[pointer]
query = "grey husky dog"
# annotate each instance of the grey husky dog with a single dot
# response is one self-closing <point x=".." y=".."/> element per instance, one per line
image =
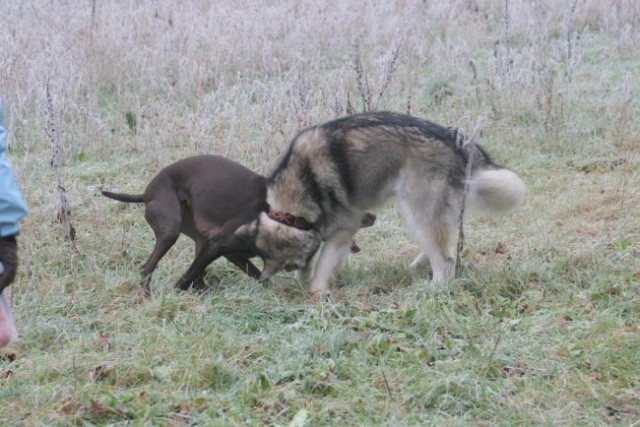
<point x="332" y="174"/>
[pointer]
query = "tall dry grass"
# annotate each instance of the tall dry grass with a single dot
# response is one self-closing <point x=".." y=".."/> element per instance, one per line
<point x="223" y="75"/>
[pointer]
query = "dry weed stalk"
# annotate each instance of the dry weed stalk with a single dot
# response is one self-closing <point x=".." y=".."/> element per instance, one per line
<point x="474" y="81"/>
<point x="568" y="36"/>
<point x="505" y="59"/>
<point x="470" y="144"/>
<point x="386" y="382"/>
<point x="628" y="142"/>
<point x="626" y="26"/>
<point x="412" y="83"/>
<point x="371" y="99"/>
<point x="301" y="99"/>
<point x="547" y="97"/>
<point x="52" y="131"/>
<point x="409" y="98"/>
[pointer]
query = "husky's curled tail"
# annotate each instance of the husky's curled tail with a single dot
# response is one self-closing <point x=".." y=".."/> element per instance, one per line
<point x="491" y="189"/>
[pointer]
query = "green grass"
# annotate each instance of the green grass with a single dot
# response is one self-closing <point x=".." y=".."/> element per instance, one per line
<point x="541" y="328"/>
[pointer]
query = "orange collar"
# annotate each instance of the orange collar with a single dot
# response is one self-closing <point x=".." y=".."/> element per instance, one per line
<point x="290" y="220"/>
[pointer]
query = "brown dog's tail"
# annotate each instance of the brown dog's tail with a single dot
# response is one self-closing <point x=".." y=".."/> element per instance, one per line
<point x="127" y="198"/>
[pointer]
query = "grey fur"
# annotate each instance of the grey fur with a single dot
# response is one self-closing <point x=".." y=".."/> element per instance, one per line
<point x="334" y="173"/>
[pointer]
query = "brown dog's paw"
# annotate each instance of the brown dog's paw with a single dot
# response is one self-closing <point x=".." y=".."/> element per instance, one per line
<point x="142" y="295"/>
<point x="201" y="287"/>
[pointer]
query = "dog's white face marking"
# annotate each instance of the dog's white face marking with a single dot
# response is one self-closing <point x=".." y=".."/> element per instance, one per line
<point x="282" y="247"/>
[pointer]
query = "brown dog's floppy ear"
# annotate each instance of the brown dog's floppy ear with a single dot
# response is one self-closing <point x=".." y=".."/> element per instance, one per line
<point x="247" y="231"/>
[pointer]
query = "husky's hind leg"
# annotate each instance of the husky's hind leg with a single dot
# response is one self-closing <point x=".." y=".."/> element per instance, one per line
<point x="437" y="240"/>
<point x="441" y="238"/>
<point x="436" y="237"/>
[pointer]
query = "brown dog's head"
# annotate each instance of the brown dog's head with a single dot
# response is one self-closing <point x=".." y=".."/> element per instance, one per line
<point x="280" y="246"/>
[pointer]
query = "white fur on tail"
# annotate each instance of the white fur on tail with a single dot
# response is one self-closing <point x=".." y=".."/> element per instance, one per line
<point x="493" y="191"/>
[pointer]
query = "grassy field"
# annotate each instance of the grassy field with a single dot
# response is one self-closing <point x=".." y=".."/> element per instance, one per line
<point x="542" y="326"/>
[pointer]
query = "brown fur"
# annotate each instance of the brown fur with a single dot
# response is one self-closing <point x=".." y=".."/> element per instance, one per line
<point x="207" y="198"/>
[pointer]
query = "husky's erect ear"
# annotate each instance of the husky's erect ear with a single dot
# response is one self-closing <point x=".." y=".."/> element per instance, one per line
<point x="247" y="231"/>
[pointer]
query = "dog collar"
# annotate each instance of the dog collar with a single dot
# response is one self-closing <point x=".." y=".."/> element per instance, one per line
<point x="290" y="220"/>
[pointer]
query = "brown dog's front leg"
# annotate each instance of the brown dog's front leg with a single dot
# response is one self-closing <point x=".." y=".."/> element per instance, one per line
<point x="193" y="276"/>
<point x="245" y="265"/>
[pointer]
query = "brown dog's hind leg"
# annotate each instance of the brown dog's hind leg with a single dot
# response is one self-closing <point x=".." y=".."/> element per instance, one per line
<point x="163" y="243"/>
<point x="164" y="217"/>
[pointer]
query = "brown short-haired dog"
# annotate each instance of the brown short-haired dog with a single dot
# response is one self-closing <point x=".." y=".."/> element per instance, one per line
<point x="206" y="197"/>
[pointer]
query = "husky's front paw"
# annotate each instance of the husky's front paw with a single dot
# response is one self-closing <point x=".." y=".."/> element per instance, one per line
<point x="318" y="295"/>
<point x="318" y="290"/>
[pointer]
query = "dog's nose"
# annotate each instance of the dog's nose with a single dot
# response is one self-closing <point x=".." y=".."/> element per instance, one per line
<point x="270" y="268"/>
<point x="264" y="277"/>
